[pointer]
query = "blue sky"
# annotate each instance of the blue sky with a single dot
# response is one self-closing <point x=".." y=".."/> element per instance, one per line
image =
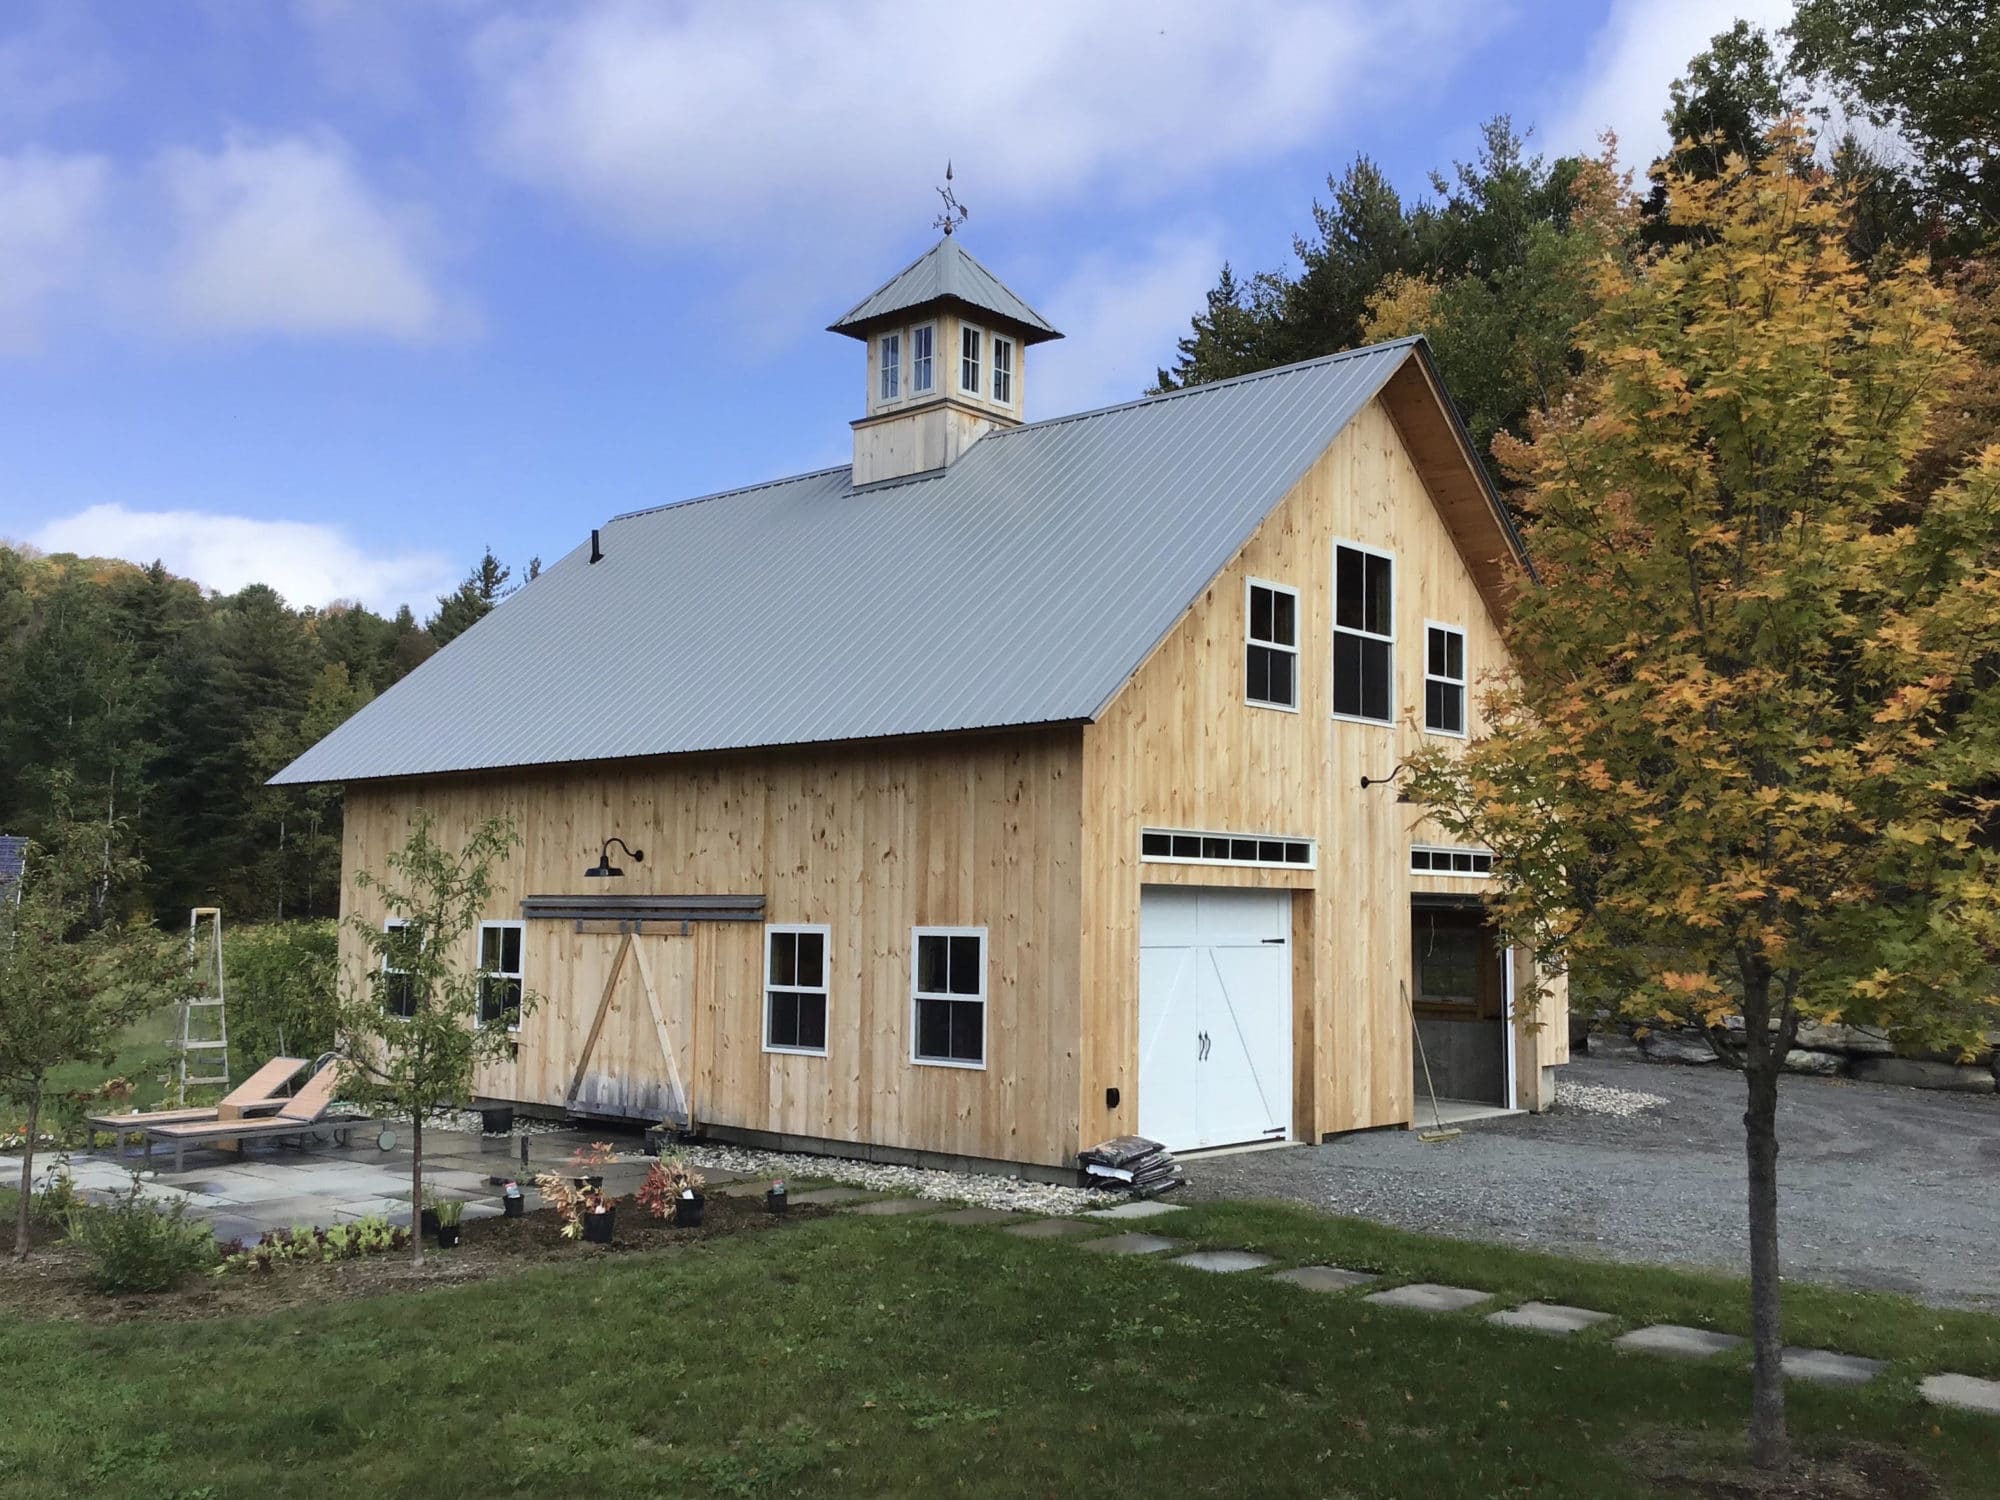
<point x="332" y="293"/>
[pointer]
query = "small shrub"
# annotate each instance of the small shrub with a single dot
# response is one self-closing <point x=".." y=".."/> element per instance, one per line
<point x="660" y="1194"/>
<point x="136" y="1247"/>
<point x="307" y="1245"/>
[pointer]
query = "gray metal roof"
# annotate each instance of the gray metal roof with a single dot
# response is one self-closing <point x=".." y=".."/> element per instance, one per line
<point x="945" y="272"/>
<point x="1021" y="585"/>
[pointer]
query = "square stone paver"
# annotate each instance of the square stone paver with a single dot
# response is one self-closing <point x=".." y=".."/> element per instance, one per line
<point x="1678" y="1342"/>
<point x="1145" y="1208"/>
<point x="1964" y="1392"/>
<point x="893" y="1206"/>
<point x="1223" y="1260"/>
<point x="1429" y="1296"/>
<point x="976" y="1216"/>
<point x="832" y="1195"/>
<point x="1134" y="1243"/>
<point x="1325" y="1278"/>
<point x="1548" y="1317"/>
<point x="1051" y="1229"/>
<point x="1828" y="1368"/>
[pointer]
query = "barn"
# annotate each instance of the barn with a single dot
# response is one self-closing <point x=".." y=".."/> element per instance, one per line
<point x="1015" y="786"/>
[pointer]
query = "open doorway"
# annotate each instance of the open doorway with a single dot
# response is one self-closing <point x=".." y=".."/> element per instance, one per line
<point x="1459" y="987"/>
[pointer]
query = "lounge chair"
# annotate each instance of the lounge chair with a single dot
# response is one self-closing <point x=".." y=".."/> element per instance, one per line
<point x="256" y="1095"/>
<point x="304" y="1114"/>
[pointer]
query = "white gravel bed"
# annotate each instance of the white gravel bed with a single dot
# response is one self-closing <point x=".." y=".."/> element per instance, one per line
<point x="1602" y="1099"/>
<point x="915" y="1182"/>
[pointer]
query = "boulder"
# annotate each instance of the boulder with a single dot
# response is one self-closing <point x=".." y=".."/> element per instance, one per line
<point x="1916" y="1073"/>
<point x="1664" y="1046"/>
<point x="1815" y="1036"/>
<point x="1799" y="1060"/>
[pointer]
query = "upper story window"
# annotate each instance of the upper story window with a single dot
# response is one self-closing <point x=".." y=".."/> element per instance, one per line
<point x="1003" y="370"/>
<point x="970" y="345"/>
<point x="922" y="342"/>
<point x="1364" y="634"/>
<point x="891" y="359"/>
<point x="399" y="990"/>
<point x="1444" y="679"/>
<point x="948" y="994"/>
<point x="500" y="974"/>
<point x="795" y="989"/>
<point x="1271" y="645"/>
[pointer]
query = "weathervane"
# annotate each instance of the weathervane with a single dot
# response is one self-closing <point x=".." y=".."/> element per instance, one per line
<point x="955" y="213"/>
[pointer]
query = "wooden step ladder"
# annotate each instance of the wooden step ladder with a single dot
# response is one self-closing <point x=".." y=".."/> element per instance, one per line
<point x="201" y="1040"/>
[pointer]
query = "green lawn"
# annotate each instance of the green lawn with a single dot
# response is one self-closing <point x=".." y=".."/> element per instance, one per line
<point x="897" y="1357"/>
<point x="145" y="1056"/>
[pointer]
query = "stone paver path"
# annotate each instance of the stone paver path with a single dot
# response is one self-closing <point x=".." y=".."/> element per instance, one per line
<point x="1224" y="1260"/>
<point x="1677" y="1342"/>
<point x="1429" y="1296"/>
<point x="976" y="1216"/>
<point x="1548" y="1317"/>
<point x="1824" y="1367"/>
<point x="832" y="1195"/>
<point x="1962" y="1392"/>
<point x="1325" y="1278"/>
<point x="1050" y="1229"/>
<point x="1144" y="1208"/>
<point x="893" y="1206"/>
<point x="1135" y="1243"/>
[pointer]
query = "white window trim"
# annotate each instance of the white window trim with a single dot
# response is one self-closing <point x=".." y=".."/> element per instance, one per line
<point x="1395" y="589"/>
<point x="393" y="924"/>
<point x="520" y="976"/>
<point x="824" y="990"/>
<point x="1463" y="684"/>
<point x="882" y="367"/>
<point x="1312" y="850"/>
<point x="963" y="389"/>
<point x="911" y="334"/>
<point x="1249" y="640"/>
<point x="985" y="1014"/>
<point x="993" y="340"/>
<point x="1486" y="874"/>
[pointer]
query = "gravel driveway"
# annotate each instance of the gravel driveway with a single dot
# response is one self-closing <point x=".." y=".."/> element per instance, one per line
<point x="1879" y="1187"/>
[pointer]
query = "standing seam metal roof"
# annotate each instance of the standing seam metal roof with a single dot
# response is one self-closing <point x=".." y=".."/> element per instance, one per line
<point x="945" y="272"/>
<point x="1021" y="585"/>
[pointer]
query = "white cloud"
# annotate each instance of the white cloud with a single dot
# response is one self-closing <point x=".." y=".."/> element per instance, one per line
<point x="56" y="60"/>
<point x="1643" y="46"/>
<point x="283" y="235"/>
<point x="48" y="205"/>
<point x="308" y="563"/>
<point x="1120" y="313"/>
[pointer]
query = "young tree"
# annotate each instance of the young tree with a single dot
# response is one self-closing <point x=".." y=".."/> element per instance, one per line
<point x="70" y="983"/>
<point x="472" y="601"/>
<point x="1742" y="776"/>
<point x="425" y="1019"/>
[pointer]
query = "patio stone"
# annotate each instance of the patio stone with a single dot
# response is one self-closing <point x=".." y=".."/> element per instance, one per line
<point x="1962" y="1392"/>
<point x="1223" y="1260"/>
<point x="1325" y="1278"/>
<point x="830" y="1195"/>
<point x="976" y="1216"/>
<point x="1144" y="1208"/>
<point x="894" y="1206"/>
<point x="1828" y="1368"/>
<point x="1548" y="1317"/>
<point x="1429" y="1296"/>
<point x="1677" y="1342"/>
<point x="1134" y="1243"/>
<point x="1050" y="1229"/>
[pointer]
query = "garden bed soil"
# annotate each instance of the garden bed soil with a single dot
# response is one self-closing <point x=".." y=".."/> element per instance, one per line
<point x="54" y="1281"/>
<point x="1700" y="1464"/>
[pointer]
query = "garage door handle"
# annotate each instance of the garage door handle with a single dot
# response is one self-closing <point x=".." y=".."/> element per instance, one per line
<point x="1201" y="1040"/>
<point x="1274" y="942"/>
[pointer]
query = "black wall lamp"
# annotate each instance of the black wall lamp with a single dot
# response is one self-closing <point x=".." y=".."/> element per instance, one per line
<point x="604" y="866"/>
<point x="1368" y="781"/>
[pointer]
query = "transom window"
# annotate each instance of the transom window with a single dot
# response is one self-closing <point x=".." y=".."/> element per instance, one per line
<point x="399" y="989"/>
<point x="1271" y="650"/>
<point x="795" y="989"/>
<point x="1003" y="370"/>
<point x="970" y="341"/>
<point x="1444" y="679"/>
<point x="922" y="340"/>
<point x="1434" y="859"/>
<point x="1364" y="634"/>
<point x="891" y="356"/>
<point x="500" y="974"/>
<point x="948" y="993"/>
<point x="1185" y="846"/>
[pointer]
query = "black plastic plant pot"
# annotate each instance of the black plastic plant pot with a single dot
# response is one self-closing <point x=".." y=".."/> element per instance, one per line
<point x="497" y="1121"/>
<point x="596" y="1182"/>
<point x="427" y="1221"/>
<point x="513" y="1206"/>
<point x="597" y="1227"/>
<point x="448" y="1235"/>
<point x="776" y="1202"/>
<point x="688" y="1211"/>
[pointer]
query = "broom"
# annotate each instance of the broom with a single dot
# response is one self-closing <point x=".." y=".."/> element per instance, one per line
<point x="1440" y="1130"/>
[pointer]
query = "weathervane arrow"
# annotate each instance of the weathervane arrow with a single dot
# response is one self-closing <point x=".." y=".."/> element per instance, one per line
<point x="955" y="213"/>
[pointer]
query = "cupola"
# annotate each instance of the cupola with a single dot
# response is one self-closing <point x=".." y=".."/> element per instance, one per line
<point x="946" y="345"/>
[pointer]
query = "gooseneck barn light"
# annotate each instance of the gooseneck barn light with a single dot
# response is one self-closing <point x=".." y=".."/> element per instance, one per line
<point x="604" y="867"/>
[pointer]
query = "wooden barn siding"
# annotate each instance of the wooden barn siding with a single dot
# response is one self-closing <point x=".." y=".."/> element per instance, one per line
<point x="1180" y="748"/>
<point x="871" y="841"/>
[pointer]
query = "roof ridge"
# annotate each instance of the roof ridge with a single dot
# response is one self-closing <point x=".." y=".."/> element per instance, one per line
<point x="741" y="489"/>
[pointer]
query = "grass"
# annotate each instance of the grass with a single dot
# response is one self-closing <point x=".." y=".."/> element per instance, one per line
<point x="894" y="1356"/>
<point x="145" y="1056"/>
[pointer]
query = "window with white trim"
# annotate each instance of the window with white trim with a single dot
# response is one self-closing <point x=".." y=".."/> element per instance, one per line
<point x="1436" y="859"/>
<point x="948" y="995"/>
<point x="795" y="988"/>
<point x="1444" y="679"/>
<point x="1003" y="370"/>
<point x="1187" y="847"/>
<point x="970" y="346"/>
<point x="1364" y="634"/>
<point x="500" y="974"/>
<point x="399" y="993"/>
<point x="890" y="356"/>
<point x="1271" y="645"/>
<point x="923" y="339"/>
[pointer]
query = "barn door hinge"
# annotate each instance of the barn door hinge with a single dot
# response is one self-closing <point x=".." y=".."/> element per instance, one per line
<point x="1273" y="942"/>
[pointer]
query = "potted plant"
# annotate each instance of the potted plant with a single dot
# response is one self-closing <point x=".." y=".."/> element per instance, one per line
<point x="427" y="1219"/>
<point x="672" y="1191"/>
<point x="597" y="1154"/>
<point x="600" y="1217"/>
<point x="512" y="1204"/>
<point x="586" y="1212"/>
<point x="450" y="1214"/>
<point x="775" y="1200"/>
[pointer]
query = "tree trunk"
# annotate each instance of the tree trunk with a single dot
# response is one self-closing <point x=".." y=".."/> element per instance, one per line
<point x="1769" y="1446"/>
<point x="416" y="1187"/>
<point x="26" y="1209"/>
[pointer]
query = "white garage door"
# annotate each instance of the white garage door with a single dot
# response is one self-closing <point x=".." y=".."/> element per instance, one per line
<point x="1215" y="1016"/>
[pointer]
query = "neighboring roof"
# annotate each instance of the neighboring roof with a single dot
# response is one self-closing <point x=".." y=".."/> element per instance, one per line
<point x="945" y="272"/>
<point x="1022" y="585"/>
<point x="13" y="859"/>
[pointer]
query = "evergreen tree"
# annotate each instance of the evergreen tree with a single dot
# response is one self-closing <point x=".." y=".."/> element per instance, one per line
<point x="460" y="610"/>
